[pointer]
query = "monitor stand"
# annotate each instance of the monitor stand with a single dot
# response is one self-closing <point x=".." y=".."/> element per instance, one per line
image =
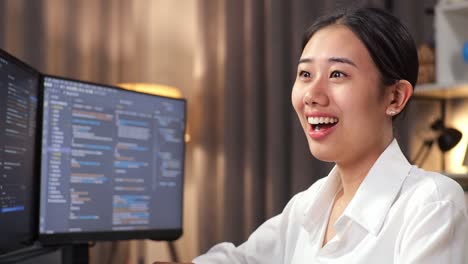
<point x="75" y="254"/>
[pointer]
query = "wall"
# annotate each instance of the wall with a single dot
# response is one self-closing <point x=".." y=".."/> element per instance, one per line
<point x="457" y="116"/>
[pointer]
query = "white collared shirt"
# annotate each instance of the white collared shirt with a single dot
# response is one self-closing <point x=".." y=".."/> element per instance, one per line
<point x="400" y="214"/>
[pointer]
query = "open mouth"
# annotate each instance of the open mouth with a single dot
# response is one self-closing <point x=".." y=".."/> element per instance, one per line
<point x="322" y="123"/>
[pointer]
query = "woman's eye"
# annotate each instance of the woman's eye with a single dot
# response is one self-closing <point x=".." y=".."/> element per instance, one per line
<point x="304" y="74"/>
<point x="337" y="74"/>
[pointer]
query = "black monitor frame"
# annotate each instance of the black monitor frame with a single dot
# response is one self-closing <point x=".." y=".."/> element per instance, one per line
<point x="34" y="203"/>
<point x="87" y="237"/>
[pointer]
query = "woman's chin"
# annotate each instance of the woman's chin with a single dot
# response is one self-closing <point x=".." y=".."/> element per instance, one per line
<point x="323" y="153"/>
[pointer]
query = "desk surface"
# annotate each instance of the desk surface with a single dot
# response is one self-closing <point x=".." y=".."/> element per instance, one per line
<point x="162" y="262"/>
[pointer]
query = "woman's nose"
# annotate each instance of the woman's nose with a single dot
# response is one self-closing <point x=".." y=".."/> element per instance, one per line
<point x="316" y="94"/>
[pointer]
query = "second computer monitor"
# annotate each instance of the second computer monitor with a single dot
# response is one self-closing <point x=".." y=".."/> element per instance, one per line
<point x="112" y="163"/>
<point x="19" y="100"/>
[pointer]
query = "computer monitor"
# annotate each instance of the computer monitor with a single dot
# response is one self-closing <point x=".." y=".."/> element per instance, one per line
<point x="112" y="163"/>
<point x="18" y="153"/>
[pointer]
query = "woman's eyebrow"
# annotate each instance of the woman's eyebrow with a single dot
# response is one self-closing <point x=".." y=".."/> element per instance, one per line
<point x="331" y="59"/>
<point x="305" y="60"/>
<point x="342" y="60"/>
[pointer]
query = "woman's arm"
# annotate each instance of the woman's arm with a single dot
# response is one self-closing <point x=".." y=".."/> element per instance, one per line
<point x="272" y="242"/>
<point x="263" y="246"/>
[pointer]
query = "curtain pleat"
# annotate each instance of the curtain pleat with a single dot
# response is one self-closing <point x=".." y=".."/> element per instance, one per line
<point x="2" y="23"/>
<point x="254" y="116"/>
<point x="234" y="109"/>
<point x="34" y="35"/>
<point x="14" y="41"/>
<point x="208" y="128"/>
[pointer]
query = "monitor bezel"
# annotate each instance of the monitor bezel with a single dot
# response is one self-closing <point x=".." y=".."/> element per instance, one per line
<point x="110" y="235"/>
<point x="35" y="183"/>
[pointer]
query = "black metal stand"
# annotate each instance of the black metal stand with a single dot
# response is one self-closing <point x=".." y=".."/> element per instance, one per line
<point x="75" y="254"/>
<point x="173" y="251"/>
<point x="424" y="150"/>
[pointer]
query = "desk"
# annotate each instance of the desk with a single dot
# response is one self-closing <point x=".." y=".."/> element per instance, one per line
<point x="158" y="262"/>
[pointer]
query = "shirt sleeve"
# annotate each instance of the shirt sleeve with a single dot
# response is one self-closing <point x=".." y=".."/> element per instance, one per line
<point x="265" y="245"/>
<point x="437" y="233"/>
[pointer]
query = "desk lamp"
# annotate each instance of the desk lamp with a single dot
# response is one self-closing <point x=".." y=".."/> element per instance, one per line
<point x="447" y="138"/>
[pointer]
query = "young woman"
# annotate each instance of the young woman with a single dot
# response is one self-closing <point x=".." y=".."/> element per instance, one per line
<point x="356" y="73"/>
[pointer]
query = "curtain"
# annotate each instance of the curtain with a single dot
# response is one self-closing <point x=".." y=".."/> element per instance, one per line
<point x="111" y="42"/>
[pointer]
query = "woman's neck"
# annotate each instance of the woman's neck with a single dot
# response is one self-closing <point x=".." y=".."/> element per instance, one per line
<point x="353" y="172"/>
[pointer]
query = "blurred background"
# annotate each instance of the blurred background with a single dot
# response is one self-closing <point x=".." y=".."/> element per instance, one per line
<point x="235" y="62"/>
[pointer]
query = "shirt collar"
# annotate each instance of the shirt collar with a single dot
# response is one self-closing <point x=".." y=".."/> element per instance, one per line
<point x="379" y="189"/>
<point x="321" y="201"/>
<point x="374" y="197"/>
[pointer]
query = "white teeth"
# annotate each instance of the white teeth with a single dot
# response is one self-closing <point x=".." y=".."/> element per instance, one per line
<point x="321" y="120"/>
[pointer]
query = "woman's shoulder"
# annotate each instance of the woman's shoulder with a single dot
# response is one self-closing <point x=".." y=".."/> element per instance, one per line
<point x="426" y="187"/>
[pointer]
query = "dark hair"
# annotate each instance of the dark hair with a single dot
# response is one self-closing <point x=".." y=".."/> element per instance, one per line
<point x="389" y="43"/>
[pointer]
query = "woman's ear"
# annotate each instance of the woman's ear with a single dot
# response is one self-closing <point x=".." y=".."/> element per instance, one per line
<point x="398" y="95"/>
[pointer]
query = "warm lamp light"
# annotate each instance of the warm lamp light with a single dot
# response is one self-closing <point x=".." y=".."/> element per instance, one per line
<point x="465" y="160"/>
<point x="156" y="89"/>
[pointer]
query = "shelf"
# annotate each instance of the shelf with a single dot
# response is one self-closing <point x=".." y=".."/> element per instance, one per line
<point x="456" y="7"/>
<point x="451" y="20"/>
<point x="451" y="32"/>
<point x="441" y="91"/>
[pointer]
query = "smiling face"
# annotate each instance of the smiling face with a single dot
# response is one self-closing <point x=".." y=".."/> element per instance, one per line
<point x="339" y="98"/>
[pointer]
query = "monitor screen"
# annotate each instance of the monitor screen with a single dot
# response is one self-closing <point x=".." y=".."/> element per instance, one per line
<point x="18" y="112"/>
<point x="112" y="163"/>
